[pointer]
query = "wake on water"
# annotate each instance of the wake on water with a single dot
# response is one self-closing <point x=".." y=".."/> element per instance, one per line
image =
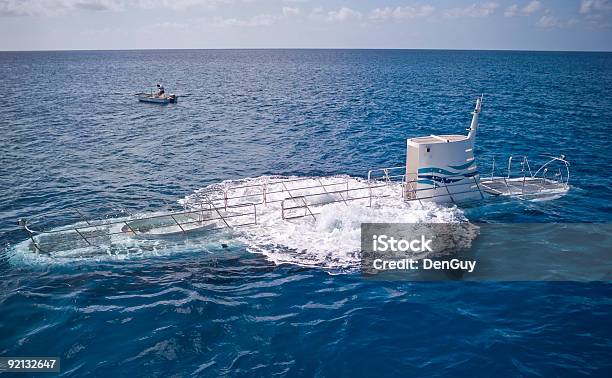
<point x="331" y="240"/>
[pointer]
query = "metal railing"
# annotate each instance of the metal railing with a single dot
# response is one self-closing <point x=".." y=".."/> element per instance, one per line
<point x="266" y="191"/>
<point x="297" y="203"/>
<point x="168" y="223"/>
<point x="526" y="178"/>
<point x="472" y="182"/>
<point x="344" y="197"/>
<point x="386" y="174"/>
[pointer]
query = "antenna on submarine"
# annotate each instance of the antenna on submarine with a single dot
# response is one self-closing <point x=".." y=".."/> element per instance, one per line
<point x="474" y="124"/>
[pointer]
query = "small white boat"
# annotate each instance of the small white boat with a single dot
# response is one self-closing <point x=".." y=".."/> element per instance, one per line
<point x="149" y="97"/>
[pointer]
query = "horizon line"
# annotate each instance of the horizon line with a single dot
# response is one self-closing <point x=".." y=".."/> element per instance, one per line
<point x="303" y="48"/>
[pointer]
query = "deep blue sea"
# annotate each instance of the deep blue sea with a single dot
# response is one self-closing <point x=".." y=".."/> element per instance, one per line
<point x="73" y="136"/>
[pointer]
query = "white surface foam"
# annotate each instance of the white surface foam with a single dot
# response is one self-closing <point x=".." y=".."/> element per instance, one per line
<point x="330" y="239"/>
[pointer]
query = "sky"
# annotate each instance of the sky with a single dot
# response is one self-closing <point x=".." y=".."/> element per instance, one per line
<point x="583" y="25"/>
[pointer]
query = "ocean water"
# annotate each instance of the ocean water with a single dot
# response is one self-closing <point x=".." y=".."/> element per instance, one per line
<point x="283" y="298"/>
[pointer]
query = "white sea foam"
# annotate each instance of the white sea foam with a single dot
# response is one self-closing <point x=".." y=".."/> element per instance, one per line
<point x="330" y="238"/>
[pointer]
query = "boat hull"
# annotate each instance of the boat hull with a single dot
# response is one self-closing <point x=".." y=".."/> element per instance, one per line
<point x="142" y="97"/>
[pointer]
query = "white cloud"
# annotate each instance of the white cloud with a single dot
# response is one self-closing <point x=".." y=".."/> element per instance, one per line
<point x="550" y="22"/>
<point x="259" y="20"/>
<point x="289" y="11"/>
<point x="474" y="10"/>
<point x="53" y="7"/>
<point x="401" y="13"/>
<point x="532" y="7"/>
<point x="344" y="14"/>
<point x="590" y="6"/>
<point x="165" y="26"/>
<point x="547" y="21"/>
<point x="511" y="11"/>
<point x="98" y="5"/>
<point x="529" y="9"/>
<point x="176" y="4"/>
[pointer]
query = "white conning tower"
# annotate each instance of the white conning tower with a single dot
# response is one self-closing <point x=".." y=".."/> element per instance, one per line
<point x="441" y="168"/>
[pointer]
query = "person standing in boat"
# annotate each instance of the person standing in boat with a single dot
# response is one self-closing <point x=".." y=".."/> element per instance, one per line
<point x="160" y="90"/>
